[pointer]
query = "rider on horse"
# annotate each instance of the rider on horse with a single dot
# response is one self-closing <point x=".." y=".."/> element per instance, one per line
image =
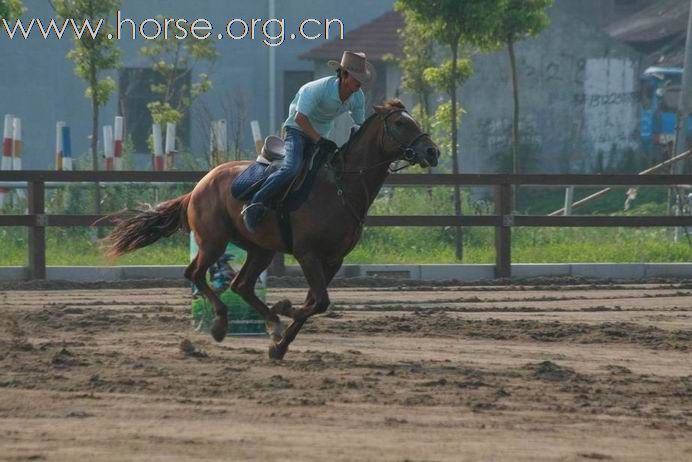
<point x="310" y="121"/>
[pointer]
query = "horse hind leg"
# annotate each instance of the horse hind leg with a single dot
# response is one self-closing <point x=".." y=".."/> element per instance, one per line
<point x="318" y="274"/>
<point x="244" y="283"/>
<point x="207" y="255"/>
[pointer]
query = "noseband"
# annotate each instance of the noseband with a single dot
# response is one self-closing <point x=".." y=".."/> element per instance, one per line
<point x="407" y="152"/>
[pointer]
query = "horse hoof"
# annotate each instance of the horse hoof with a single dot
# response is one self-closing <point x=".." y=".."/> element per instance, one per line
<point x="218" y="329"/>
<point x="276" y="353"/>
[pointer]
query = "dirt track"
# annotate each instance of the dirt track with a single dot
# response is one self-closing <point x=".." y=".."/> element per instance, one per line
<point x="447" y="373"/>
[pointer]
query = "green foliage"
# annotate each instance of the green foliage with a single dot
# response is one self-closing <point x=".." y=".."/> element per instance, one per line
<point x="444" y="77"/>
<point x="519" y="19"/>
<point x="440" y="130"/>
<point x="162" y="113"/>
<point x="450" y="21"/>
<point x="92" y="56"/>
<point x="11" y="9"/>
<point x="173" y="60"/>
<point x="418" y="55"/>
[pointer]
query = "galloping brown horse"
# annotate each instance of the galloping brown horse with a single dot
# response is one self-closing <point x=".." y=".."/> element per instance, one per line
<point x="325" y="228"/>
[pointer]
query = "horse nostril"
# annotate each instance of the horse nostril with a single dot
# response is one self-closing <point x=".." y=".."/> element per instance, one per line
<point x="432" y="153"/>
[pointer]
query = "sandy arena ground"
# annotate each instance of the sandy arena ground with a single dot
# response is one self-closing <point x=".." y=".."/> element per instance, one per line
<point x="551" y="372"/>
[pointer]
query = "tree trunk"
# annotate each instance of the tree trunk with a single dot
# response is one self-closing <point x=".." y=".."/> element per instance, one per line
<point x="515" y="118"/>
<point x="458" y="232"/>
<point x="94" y="134"/>
<point x="94" y="145"/>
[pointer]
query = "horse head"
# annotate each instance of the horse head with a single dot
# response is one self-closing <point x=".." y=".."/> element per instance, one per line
<point x="402" y="137"/>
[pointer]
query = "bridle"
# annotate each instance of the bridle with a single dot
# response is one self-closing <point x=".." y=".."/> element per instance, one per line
<point x="407" y="154"/>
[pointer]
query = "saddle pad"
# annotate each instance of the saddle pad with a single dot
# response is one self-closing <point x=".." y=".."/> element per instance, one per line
<point x="249" y="182"/>
<point x="253" y="177"/>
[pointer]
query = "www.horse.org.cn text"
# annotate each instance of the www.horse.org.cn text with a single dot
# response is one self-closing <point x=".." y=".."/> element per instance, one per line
<point x="268" y="31"/>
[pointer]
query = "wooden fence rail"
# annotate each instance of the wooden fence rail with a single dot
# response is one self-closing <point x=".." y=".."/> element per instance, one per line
<point x="503" y="221"/>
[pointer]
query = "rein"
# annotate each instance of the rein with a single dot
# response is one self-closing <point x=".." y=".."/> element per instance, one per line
<point x="407" y="155"/>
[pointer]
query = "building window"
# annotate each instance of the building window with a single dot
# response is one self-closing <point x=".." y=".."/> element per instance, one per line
<point x="135" y="94"/>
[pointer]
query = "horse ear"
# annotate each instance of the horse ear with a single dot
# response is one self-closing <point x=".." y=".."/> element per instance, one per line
<point x="379" y="109"/>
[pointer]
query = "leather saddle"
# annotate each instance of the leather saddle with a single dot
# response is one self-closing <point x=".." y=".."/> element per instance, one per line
<point x="270" y="159"/>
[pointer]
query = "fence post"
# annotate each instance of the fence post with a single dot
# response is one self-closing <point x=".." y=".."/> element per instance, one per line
<point x="503" y="233"/>
<point x="37" y="231"/>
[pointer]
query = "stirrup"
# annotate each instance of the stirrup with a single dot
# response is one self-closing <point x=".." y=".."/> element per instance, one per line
<point x="249" y="206"/>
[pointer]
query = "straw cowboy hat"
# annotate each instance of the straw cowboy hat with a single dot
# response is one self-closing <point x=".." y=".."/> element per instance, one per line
<point x="355" y="64"/>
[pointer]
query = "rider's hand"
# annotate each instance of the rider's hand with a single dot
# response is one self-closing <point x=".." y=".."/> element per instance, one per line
<point x="327" y="146"/>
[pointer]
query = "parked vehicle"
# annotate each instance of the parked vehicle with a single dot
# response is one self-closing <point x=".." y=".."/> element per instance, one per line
<point x="660" y="97"/>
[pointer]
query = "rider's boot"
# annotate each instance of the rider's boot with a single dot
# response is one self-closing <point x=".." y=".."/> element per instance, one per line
<point x="253" y="214"/>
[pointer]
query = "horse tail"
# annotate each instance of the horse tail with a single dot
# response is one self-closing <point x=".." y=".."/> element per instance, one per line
<point x="146" y="226"/>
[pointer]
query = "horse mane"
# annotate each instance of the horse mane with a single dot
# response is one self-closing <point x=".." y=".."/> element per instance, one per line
<point x="390" y="104"/>
<point x="393" y="103"/>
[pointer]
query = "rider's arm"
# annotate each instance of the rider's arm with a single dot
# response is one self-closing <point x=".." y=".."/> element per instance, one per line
<point x="304" y="123"/>
<point x="358" y="108"/>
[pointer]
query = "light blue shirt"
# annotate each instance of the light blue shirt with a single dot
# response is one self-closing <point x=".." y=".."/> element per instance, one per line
<point x="319" y="101"/>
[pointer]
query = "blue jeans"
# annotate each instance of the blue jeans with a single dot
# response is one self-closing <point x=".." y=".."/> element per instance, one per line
<point x="297" y="143"/>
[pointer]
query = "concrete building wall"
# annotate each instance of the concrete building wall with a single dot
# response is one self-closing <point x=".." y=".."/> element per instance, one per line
<point x="37" y="82"/>
<point x="578" y="101"/>
<point x="603" y="12"/>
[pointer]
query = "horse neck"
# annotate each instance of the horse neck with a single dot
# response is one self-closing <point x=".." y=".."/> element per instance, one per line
<point x="365" y="162"/>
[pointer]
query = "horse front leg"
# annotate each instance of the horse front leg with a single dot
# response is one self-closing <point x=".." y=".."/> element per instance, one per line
<point x="318" y="274"/>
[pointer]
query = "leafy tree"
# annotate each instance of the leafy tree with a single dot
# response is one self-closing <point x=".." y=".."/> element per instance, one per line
<point x="93" y="55"/>
<point x="11" y="9"/>
<point x="173" y="60"/>
<point x="517" y="20"/>
<point x="419" y="54"/>
<point x="453" y="23"/>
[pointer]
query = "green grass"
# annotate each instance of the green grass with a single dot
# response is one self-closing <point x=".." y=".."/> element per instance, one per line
<point x="396" y="245"/>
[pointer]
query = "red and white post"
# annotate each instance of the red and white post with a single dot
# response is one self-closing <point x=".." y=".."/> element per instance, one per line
<point x="66" y="149"/>
<point x="58" y="145"/>
<point x="222" y="138"/>
<point x="108" y="147"/>
<point x="257" y="136"/>
<point x="6" y="163"/>
<point x="7" y="143"/>
<point x="17" y="150"/>
<point x="118" y="134"/>
<point x="158" y="148"/>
